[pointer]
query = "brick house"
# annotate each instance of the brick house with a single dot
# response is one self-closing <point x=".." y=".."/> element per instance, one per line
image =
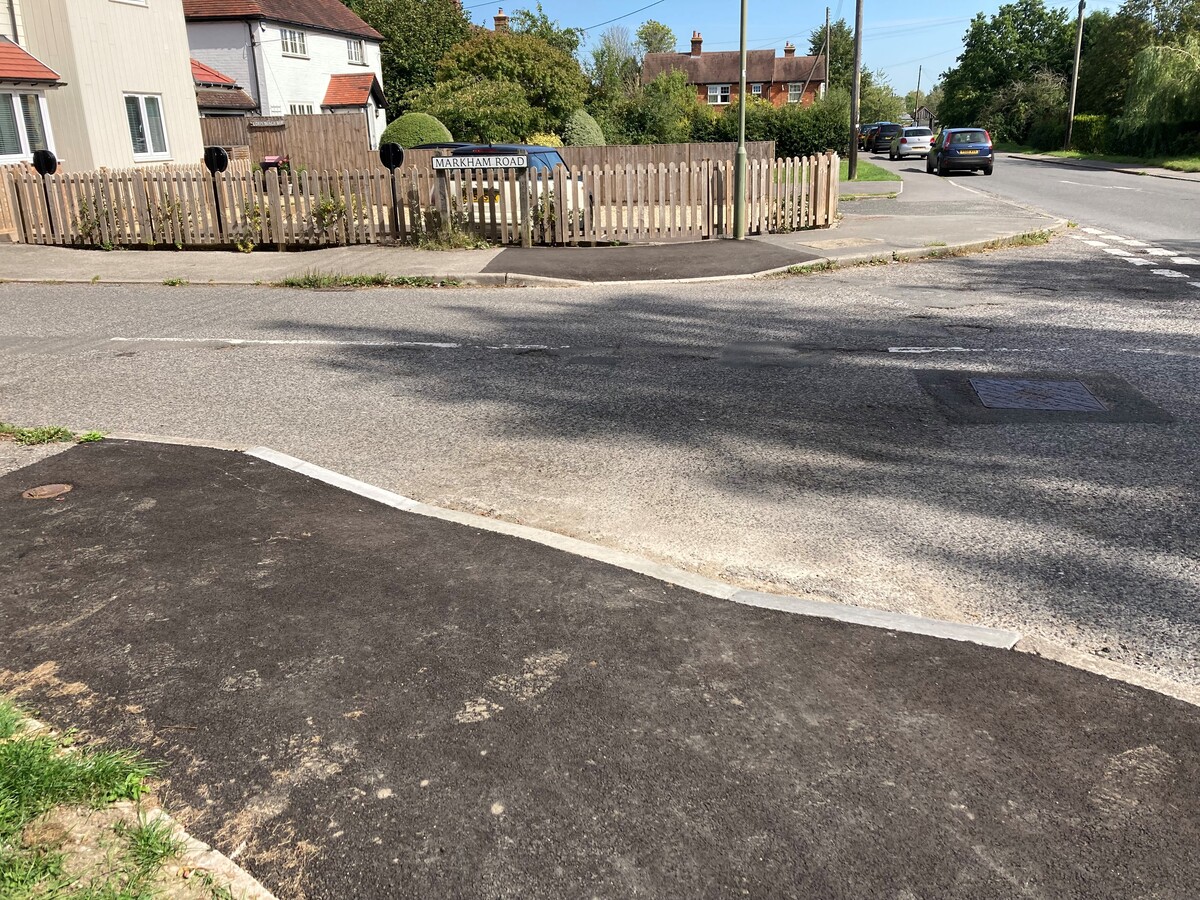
<point x="779" y="80"/>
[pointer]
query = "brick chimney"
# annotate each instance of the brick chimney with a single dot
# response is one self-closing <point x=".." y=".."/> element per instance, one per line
<point x="697" y="41"/>
<point x="501" y="21"/>
<point x="789" y="49"/>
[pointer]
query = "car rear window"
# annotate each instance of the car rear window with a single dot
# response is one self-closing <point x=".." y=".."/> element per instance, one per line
<point x="917" y="132"/>
<point x="968" y="137"/>
<point x="889" y="129"/>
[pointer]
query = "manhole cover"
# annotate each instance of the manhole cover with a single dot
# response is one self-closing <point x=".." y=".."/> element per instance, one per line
<point x="1016" y="393"/>
<point x="46" y="491"/>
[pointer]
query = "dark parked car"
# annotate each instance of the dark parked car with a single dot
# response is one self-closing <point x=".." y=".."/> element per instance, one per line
<point x="881" y="140"/>
<point x="961" y="148"/>
<point x="865" y="132"/>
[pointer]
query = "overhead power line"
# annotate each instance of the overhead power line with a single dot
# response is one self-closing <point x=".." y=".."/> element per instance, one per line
<point x="625" y="16"/>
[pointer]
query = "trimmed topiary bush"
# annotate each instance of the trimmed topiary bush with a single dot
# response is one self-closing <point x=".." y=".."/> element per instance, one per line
<point x="582" y="130"/>
<point x="413" y="129"/>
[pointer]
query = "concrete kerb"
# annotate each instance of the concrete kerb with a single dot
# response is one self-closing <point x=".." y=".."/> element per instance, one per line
<point x="858" y="615"/>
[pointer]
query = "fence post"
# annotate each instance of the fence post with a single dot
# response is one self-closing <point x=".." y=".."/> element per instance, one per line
<point x="526" y="217"/>
<point x="835" y="165"/>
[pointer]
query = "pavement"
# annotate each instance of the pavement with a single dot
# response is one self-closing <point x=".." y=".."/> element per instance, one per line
<point x="921" y="222"/>
<point x="357" y="701"/>
<point x="1104" y="166"/>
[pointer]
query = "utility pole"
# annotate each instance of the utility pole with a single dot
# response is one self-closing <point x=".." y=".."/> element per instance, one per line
<point x="1074" y="77"/>
<point x="855" y="89"/>
<point x="917" y="102"/>
<point x="828" y="50"/>
<point x="739" y="164"/>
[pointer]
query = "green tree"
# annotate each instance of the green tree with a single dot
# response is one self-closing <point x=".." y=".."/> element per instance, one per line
<point x="655" y="37"/>
<point x="1022" y="38"/>
<point x="841" y="53"/>
<point x="1110" y="44"/>
<point x="1170" y="21"/>
<point x="877" y="101"/>
<point x="536" y="23"/>
<point x="1163" y="102"/>
<point x="550" y="80"/>
<point x="479" y="110"/>
<point x="615" y="77"/>
<point x="416" y="35"/>
<point x="664" y="112"/>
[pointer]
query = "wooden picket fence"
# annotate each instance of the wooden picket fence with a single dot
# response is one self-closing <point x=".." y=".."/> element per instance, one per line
<point x="591" y="205"/>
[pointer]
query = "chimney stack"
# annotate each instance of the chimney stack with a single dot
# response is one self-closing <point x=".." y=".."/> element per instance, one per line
<point x="789" y="49"/>
<point x="697" y="41"/>
<point x="501" y="22"/>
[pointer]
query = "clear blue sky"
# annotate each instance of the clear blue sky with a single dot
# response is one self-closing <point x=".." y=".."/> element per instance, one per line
<point x="897" y="37"/>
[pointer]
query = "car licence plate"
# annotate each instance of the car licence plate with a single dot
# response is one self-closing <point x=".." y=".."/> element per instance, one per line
<point x="968" y="152"/>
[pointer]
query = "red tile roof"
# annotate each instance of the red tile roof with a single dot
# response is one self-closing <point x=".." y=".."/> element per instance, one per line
<point x="17" y="65"/>
<point x="352" y="90"/>
<point x="330" y="15"/>
<point x="723" y="67"/>
<point x="202" y="74"/>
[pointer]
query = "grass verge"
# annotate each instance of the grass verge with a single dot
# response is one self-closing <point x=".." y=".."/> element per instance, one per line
<point x="1174" y="163"/>
<point x="867" y="171"/>
<point x="46" y="434"/>
<point x="316" y="279"/>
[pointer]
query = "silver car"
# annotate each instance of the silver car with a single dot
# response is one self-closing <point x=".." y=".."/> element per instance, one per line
<point x="913" y="141"/>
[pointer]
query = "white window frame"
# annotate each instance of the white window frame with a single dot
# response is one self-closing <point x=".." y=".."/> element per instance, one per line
<point x="132" y="2"/>
<point x="756" y="89"/>
<point x="293" y="42"/>
<point x="151" y="155"/>
<point x="718" y="91"/>
<point x="300" y="109"/>
<point x="356" y="51"/>
<point x="795" y="92"/>
<point x="26" y="154"/>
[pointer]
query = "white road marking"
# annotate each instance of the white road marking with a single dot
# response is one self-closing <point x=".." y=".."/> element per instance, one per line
<point x="1159" y="251"/>
<point x="1185" y="261"/>
<point x="1105" y="187"/>
<point x="1168" y="273"/>
<point x="1130" y="242"/>
<point x="434" y="345"/>
<point x="928" y="350"/>
<point x="967" y="189"/>
<point x="1195" y="284"/>
<point x="1090" y="230"/>
<point x="1117" y="251"/>
<point x="1138" y="261"/>
<point x="1096" y="243"/>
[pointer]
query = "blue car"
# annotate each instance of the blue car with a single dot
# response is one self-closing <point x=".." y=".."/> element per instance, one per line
<point x="542" y="159"/>
<point x="961" y="148"/>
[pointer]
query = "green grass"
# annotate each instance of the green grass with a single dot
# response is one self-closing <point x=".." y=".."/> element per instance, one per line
<point x="1175" y="163"/>
<point x="47" y="434"/>
<point x="151" y="844"/>
<point x="39" y="772"/>
<point x="867" y="171"/>
<point x="175" y="282"/>
<point x="317" y="279"/>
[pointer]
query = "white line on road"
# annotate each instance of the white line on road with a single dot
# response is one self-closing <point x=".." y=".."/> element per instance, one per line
<point x="1106" y="187"/>
<point x="1117" y="251"/>
<point x="967" y="189"/>
<point x="1093" y="230"/>
<point x="1168" y="273"/>
<point x="1185" y="261"/>
<point x="1159" y="251"/>
<point x="304" y="342"/>
<point x="1130" y="242"/>
<point x="978" y="349"/>
<point x="1096" y="243"/>
<point x="1138" y="261"/>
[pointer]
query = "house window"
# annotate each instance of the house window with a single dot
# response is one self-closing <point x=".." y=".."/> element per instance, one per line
<point x="301" y="109"/>
<point x="756" y="90"/>
<point x="22" y="126"/>
<point x="354" y="51"/>
<point x="293" y="42"/>
<point x="144" y="114"/>
<point x="795" y="91"/>
<point x="718" y="94"/>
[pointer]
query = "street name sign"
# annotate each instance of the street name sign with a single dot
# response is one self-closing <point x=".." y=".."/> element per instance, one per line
<point x="498" y="161"/>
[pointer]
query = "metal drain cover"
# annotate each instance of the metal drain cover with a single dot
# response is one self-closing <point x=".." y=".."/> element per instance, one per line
<point x="1017" y="393"/>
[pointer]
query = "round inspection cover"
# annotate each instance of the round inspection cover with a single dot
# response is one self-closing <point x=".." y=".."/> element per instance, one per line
<point x="46" y="491"/>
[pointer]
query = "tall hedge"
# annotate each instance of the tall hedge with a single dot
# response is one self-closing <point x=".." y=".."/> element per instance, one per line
<point x="414" y="129"/>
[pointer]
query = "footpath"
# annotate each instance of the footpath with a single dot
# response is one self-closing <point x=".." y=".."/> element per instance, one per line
<point x="359" y="696"/>
<point x="930" y="217"/>
<point x="1126" y="168"/>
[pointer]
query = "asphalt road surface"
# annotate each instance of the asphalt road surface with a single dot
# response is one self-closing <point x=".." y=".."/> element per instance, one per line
<point x="360" y="702"/>
<point x="812" y="435"/>
<point x="1150" y="209"/>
